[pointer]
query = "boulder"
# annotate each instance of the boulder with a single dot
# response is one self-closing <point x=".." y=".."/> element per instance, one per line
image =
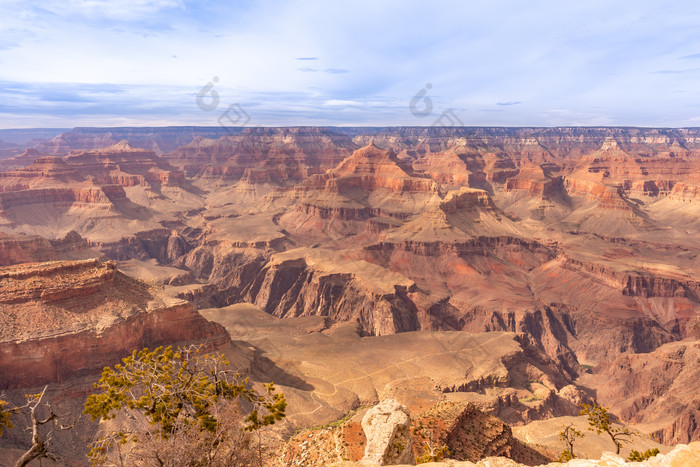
<point x="387" y="428"/>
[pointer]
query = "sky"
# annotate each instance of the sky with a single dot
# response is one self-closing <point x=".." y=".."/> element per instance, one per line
<point x="358" y="63"/>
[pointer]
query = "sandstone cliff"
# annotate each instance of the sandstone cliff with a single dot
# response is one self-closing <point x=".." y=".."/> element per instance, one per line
<point x="71" y="318"/>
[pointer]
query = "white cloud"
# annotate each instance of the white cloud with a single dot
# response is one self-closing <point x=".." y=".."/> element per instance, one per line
<point x="123" y="10"/>
<point x="370" y="58"/>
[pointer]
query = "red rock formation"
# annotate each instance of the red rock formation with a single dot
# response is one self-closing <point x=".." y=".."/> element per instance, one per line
<point x="608" y="196"/>
<point x="106" y="196"/>
<point x="259" y="155"/>
<point x="685" y="192"/>
<point x="125" y="165"/>
<point x="370" y="183"/>
<point x="448" y="169"/>
<point x="533" y="180"/>
<point x="65" y="319"/>
<point x="639" y="283"/>
<point x="16" y="162"/>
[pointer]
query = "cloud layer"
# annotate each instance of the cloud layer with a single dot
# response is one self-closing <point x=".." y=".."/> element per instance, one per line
<point x="99" y="62"/>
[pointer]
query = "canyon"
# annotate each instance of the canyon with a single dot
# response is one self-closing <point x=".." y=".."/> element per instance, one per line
<point x="520" y="271"/>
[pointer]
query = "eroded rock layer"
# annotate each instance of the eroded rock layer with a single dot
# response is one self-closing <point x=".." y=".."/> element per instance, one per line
<point x="66" y="319"/>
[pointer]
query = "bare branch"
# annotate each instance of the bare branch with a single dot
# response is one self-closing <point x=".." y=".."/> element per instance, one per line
<point x="40" y="448"/>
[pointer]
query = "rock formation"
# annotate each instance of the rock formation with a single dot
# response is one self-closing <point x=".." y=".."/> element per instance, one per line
<point x="469" y="434"/>
<point x="387" y="430"/>
<point x="261" y="155"/>
<point x="64" y="319"/>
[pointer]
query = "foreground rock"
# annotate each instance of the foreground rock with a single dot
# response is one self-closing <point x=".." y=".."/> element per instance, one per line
<point x="386" y="427"/>
<point x="682" y="455"/>
<point x="388" y="435"/>
<point x="470" y="434"/>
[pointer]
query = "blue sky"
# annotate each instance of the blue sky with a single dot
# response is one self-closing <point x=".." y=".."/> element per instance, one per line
<point x="543" y="63"/>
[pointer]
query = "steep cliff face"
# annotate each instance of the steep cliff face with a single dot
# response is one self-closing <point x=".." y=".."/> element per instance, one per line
<point x="71" y="318"/>
<point x="638" y="283"/>
<point x="656" y="390"/>
<point x="294" y="287"/>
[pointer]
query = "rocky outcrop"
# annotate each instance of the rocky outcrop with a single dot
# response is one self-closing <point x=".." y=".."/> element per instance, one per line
<point x="608" y="196"/>
<point x="164" y="245"/>
<point x="448" y="169"/>
<point x="685" y="192"/>
<point x="66" y="319"/>
<point x="46" y="168"/>
<point x="371" y="168"/>
<point x="387" y="430"/>
<point x="466" y="199"/>
<point x="370" y="183"/>
<point x="470" y="435"/>
<point x="21" y="160"/>
<point x="533" y="180"/>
